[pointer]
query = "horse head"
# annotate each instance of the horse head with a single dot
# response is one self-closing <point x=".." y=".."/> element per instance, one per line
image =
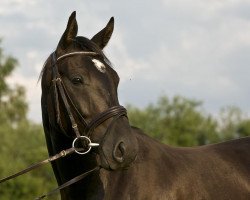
<point x="79" y="97"/>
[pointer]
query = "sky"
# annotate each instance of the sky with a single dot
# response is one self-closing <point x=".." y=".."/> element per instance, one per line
<point x="198" y="49"/>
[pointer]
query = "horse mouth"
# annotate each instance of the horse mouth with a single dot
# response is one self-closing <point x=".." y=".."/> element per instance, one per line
<point x="112" y="165"/>
<point x="103" y="162"/>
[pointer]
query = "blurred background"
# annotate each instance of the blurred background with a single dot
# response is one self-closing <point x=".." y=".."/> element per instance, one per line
<point x="183" y="65"/>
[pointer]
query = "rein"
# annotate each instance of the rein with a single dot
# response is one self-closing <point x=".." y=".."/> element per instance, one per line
<point x="114" y="112"/>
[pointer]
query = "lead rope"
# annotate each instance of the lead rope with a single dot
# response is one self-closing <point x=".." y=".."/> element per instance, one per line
<point x="80" y="177"/>
<point x="68" y="183"/>
<point x="39" y="164"/>
<point x="116" y="111"/>
<point x="63" y="153"/>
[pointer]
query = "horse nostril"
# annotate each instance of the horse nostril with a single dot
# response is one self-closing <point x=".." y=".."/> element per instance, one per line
<point x="119" y="152"/>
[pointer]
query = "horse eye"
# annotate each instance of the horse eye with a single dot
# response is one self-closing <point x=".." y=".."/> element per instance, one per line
<point x="77" y="80"/>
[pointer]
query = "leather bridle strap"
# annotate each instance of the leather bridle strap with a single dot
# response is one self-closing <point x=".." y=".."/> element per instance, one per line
<point x="68" y="183"/>
<point x="56" y="98"/>
<point x="59" y="87"/>
<point x="102" y="117"/>
<point x="39" y="164"/>
<point x="58" y="84"/>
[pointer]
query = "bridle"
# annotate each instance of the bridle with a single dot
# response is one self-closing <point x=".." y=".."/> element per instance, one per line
<point x="60" y="90"/>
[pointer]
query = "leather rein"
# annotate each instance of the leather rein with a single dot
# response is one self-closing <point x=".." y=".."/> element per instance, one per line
<point x="59" y="89"/>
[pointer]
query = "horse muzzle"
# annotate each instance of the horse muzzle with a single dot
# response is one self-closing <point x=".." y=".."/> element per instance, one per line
<point x="119" y="155"/>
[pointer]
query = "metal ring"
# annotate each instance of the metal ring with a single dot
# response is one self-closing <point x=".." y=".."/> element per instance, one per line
<point x="79" y="138"/>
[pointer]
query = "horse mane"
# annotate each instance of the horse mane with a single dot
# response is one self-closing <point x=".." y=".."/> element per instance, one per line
<point x="86" y="45"/>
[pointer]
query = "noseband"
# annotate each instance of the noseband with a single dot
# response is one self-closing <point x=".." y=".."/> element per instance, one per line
<point x="60" y="90"/>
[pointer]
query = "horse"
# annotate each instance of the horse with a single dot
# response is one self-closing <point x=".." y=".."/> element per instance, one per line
<point x="80" y="105"/>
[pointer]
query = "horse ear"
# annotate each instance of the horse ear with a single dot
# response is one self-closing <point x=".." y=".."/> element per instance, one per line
<point x="70" y="32"/>
<point x="102" y="37"/>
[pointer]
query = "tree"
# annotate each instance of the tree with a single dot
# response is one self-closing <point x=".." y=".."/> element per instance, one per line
<point x="12" y="105"/>
<point x="182" y="122"/>
<point x="178" y="121"/>
<point x="22" y="141"/>
<point x="233" y="123"/>
<point x="243" y="128"/>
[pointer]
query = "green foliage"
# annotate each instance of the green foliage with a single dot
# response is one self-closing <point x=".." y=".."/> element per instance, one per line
<point x="182" y="122"/>
<point x="22" y="142"/>
<point x="20" y="147"/>
<point x="243" y="128"/>
<point x="7" y="65"/>
<point x="233" y="124"/>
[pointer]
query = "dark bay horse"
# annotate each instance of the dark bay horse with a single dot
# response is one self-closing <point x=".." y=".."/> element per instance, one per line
<point x="79" y="98"/>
